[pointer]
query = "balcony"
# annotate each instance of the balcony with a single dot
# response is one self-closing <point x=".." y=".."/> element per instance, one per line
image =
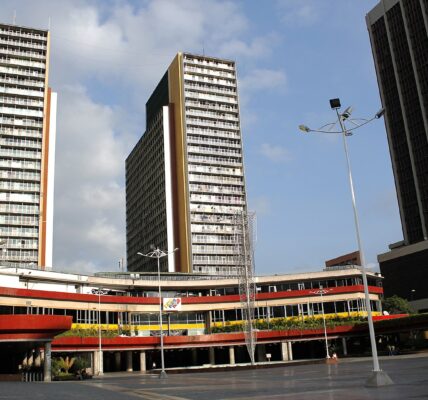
<point x="209" y="63"/>
<point x="21" y="102"/>
<point x="214" y="260"/>
<point x="25" y="63"/>
<point x="18" y="175"/>
<point x="214" y="115"/>
<point x="219" y="230"/>
<point x="217" y="189"/>
<point x="21" y="82"/>
<point x="204" y="96"/>
<point x="20" y="164"/>
<point x="21" y="133"/>
<point x="212" y="142"/>
<point x="208" y="72"/>
<point x="212" y="124"/>
<point x="21" y="111"/>
<point x="213" y="249"/>
<point x="214" y="160"/>
<point x="19" y="122"/>
<point x="21" y="154"/>
<point x="26" y="144"/>
<point x="18" y="233"/>
<point x="219" y="180"/>
<point x="23" y="34"/>
<point x="22" y="44"/>
<point x="19" y="209"/>
<point x="215" y="219"/>
<point x="215" y="170"/>
<point x="210" y="80"/>
<point x="212" y="133"/>
<point x="22" y="72"/>
<point x="214" y="151"/>
<point x="19" y="221"/>
<point x="26" y="54"/>
<point x="24" y="92"/>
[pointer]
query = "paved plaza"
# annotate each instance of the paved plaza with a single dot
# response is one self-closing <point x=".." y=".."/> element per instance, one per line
<point x="344" y="381"/>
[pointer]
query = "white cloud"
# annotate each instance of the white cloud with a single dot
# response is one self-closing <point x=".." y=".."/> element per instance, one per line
<point x="263" y="79"/>
<point x="275" y="153"/>
<point x="303" y="12"/>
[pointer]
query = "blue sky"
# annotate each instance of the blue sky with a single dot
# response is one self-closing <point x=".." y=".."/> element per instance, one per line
<point x="292" y="57"/>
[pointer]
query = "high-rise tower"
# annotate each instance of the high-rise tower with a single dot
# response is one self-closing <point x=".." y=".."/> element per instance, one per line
<point x="185" y="178"/>
<point x="398" y="33"/>
<point x="27" y="147"/>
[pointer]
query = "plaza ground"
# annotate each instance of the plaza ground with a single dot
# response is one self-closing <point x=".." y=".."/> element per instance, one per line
<point x="344" y="380"/>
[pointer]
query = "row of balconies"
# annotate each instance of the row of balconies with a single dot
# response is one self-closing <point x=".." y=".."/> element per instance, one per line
<point x="213" y="239"/>
<point x="208" y="72"/>
<point x="212" y="132"/>
<point x="33" y="155"/>
<point x="224" y="270"/>
<point x="25" y="63"/>
<point x="211" y="106"/>
<point x="19" y="33"/>
<point x="18" y="209"/>
<point x="19" y="175"/>
<point x="221" y="230"/>
<point x="22" y="92"/>
<point x="16" y="243"/>
<point x="21" y="133"/>
<point x="19" y="197"/>
<point x="21" y="43"/>
<point x="21" y="72"/>
<point x="22" y="102"/>
<point x="218" y="116"/>
<point x="220" y="180"/>
<point x="213" y="249"/>
<point x="217" y="189"/>
<point x="210" y="80"/>
<point x="213" y="142"/>
<point x="26" y="54"/>
<point x="21" y="122"/>
<point x="22" y="186"/>
<point x="21" y="111"/>
<point x="216" y="151"/>
<point x="19" y="232"/>
<point x="212" y="199"/>
<point x="20" y="164"/>
<point x="33" y="144"/>
<point x="205" y="96"/>
<point x="215" y="219"/>
<point x="208" y="63"/>
<point x="214" y="160"/>
<point x="214" y="260"/>
<point x="32" y="257"/>
<point x="214" y="209"/>
<point x="203" y="123"/>
<point x="22" y="82"/>
<point x="215" y="170"/>
<point x="210" y="89"/>
<point x="19" y="220"/>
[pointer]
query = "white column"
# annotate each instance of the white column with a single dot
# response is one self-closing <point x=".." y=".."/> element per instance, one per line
<point x="47" y="366"/>
<point x="142" y="361"/>
<point x="345" y="347"/>
<point x="117" y="361"/>
<point x="212" y="355"/>
<point x="290" y="351"/>
<point x="231" y="355"/>
<point x="129" y="361"/>
<point x="98" y="362"/>
<point x="284" y="351"/>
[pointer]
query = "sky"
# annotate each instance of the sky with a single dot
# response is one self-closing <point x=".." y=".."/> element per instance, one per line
<point x="292" y="57"/>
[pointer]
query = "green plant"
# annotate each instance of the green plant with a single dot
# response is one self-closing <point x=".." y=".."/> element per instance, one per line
<point x="66" y="363"/>
<point x="396" y="305"/>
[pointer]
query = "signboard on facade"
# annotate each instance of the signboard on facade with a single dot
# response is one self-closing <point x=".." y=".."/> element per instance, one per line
<point x="172" y="304"/>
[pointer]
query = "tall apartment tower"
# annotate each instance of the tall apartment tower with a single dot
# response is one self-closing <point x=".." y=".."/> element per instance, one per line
<point x="398" y="33"/>
<point x="27" y="147"/>
<point x="185" y="178"/>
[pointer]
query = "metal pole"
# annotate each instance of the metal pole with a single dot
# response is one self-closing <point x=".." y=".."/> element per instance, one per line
<point x="100" y="357"/>
<point x="163" y="373"/>
<point x="376" y="367"/>
<point x="327" y="355"/>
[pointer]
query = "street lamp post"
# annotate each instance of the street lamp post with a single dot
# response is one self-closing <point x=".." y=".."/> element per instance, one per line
<point x="158" y="254"/>
<point x="100" y="357"/>
<point x="379" y="377"/>
<point x="322" y="291"/>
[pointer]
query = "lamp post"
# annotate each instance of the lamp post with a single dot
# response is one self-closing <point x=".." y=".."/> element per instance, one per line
<point x="379" y="377"/>
<point x="322" y="291"/>
<point x="100" y="357"/>
<point x="158" y="254"/>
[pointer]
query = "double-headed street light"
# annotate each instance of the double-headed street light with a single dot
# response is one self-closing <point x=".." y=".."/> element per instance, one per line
<point x="379" y="377"/>
<point x="322" y="291"/>
<point x="158" y="253"/>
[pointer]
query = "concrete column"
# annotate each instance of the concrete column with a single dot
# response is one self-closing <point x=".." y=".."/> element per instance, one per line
<point x="284" y="351"/>
<point x="37" y="357"/>
<point x="290" y="351"/>
<point x="345" y="347"/>
<point x="194" y="356"/>
<point x="212" y="355"/>
<point x="142" y="361"/>
<point x="129" y="361"/>
<point x="231" y="355"/>
<point x="47" y="365"/>
<point x="208" y="322"/>
<point x="117" y="361"/>
<point x="98" y="363"/>
<point x="261" y="352"/>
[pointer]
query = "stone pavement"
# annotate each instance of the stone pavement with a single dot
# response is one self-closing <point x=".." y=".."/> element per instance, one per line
<point x="344" y="381"/>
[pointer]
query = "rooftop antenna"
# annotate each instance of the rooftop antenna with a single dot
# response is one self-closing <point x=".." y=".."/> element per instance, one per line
<point x="14" y="17"/>
<point x="203" y="48"/>
<point x="49" y="23"/>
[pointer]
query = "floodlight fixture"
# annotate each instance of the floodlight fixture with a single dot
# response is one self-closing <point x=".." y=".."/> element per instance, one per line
<point x="335" y="103"/>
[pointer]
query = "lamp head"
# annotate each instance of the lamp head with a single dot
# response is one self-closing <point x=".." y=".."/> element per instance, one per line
<point x="380" y="113"/>
<point x="335" y="103"/>
<point x="304" y="128"/>
<point x="347" y="113"/>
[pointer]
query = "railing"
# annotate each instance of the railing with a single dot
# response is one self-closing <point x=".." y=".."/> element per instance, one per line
<point x="215" y="81"/>
<point x="21" y="112"/>
<point x="208" y="63"/>
<point x="215" y="115"/>
<point x="24" y="122"/>
<point x="23" y="34"/>
<point x="217" y="189"/>
<point x="21" y="133"/>
<point x="213" y="142"/>
<point x="209" y="72"/>
<point x="212" y="106"/>
<point x="22" y="44"/>
<point x="28" y="54"/>
<point x="214" y="160"/>
<point x="17" y="71"/>
<point x="17" y="61"/>
<point x="212" y="133"/>
<point x="222" y="99"/>
<point x="20" y="143"/>
<point x="38" y="93"/>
